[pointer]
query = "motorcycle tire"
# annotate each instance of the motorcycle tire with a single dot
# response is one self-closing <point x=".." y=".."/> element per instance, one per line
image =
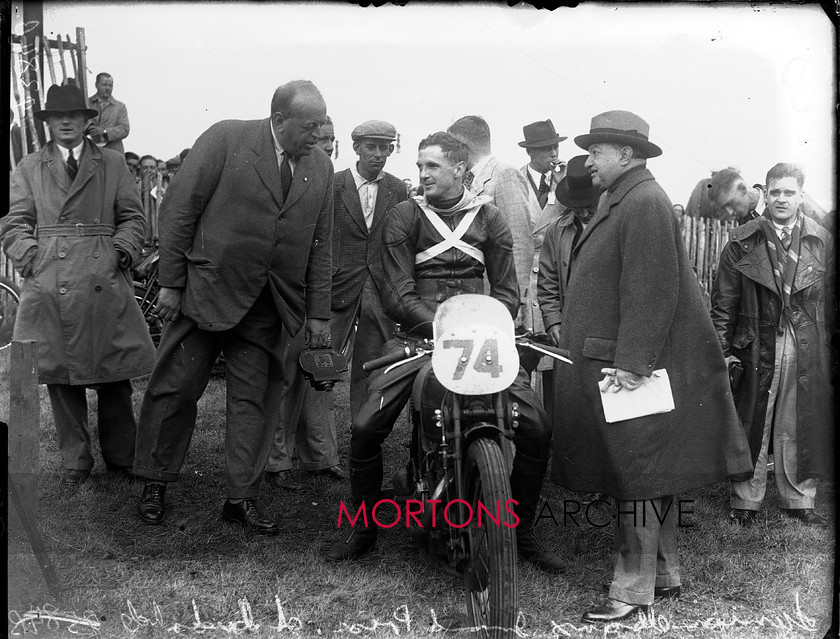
<point x="147" y="299"/>
<point x="490" y="575"/>
<point x="9" y="300"/>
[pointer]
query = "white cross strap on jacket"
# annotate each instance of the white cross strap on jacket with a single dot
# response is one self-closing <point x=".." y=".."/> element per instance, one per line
<point x="451" y="239"/>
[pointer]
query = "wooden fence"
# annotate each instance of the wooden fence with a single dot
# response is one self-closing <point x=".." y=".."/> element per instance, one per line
<point x="704" y="240"/>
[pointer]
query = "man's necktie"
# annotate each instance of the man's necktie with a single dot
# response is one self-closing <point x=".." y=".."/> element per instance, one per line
<point x="785" y="237"/>
<point x="72" y="166"/>
<point x="468" y="179"/>
<point x="285" y="175"/>
<point x="542" y="192"/>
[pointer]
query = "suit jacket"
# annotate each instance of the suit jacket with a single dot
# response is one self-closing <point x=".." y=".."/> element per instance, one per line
<point x="509" y="191"/>
<point x="357" y="251"/>
<point x="226" y="229"/>
<point x="541" y="219"/>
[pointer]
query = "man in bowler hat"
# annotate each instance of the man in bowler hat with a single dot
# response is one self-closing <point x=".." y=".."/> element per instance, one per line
<point x="632" y="307"/>
<point x="576" y="193"/>
<point x="542" y="175"/>
<point x="77" y="300"/>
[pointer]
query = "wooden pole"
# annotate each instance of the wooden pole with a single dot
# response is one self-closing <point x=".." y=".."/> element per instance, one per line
<point x="50" y="63"/>
<point x="24" y="418"/>
<point x="61" y="62"/>
<point x="81" y="43"/>
<point x="21" y="113"/>
<point x="33" y="29"/>
<point x="72" y="51"/>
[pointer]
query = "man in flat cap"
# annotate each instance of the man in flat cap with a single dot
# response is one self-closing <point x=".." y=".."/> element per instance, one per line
<point x="633" y="307"/>
<point x="542" y="174"/>
<point x="77" y="301"/>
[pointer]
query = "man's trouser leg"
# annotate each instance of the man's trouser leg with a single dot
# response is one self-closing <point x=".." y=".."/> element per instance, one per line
<point x="793" y="494"/>
<point x="167" y="416"/>
<point x="117" y="427"/>
<point x="387" y="394"/>
<point x="69" y="406"/>
<point x="249" y="348"/>
<point x="373" y="332"/>
<point x="645" y="549"/>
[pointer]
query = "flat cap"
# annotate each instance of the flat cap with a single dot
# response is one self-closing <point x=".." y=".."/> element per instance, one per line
<point x="176" y="161"/>
<point x="376" y="129"/>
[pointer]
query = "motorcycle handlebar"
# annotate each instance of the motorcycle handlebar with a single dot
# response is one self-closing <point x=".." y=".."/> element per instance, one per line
<point x="408" y="350"/>
<point x="540" y="346"/>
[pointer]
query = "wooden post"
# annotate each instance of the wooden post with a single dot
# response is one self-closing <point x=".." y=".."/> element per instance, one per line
<point x="81" y="48"/>
<point x="24" y="418"/>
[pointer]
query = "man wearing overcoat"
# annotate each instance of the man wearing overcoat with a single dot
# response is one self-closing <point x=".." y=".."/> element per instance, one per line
<point x="245" y="235"/>
<point x="773" y="307"/>
<point x="109" y="126"/>
<point x="633" y="306"/>
<point x="74" y="228"/>
<point x="541" y="143"/>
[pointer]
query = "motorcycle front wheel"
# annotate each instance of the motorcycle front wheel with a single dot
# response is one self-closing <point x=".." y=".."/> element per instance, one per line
<point x="490" y="576"/>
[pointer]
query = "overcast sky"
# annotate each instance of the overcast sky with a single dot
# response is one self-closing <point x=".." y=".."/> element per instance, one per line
<point x="739" y="85"/>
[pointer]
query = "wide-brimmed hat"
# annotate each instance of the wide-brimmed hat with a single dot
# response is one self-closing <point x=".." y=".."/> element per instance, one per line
<point x="575" y="189"/>
<point x="374" y="130"/>
<point x="539" y="134"/>
<point x="620" y="127"/>
<point x="64" y="99"/>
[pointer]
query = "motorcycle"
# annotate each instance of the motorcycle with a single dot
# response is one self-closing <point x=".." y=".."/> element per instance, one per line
<point x="463" y="424"/>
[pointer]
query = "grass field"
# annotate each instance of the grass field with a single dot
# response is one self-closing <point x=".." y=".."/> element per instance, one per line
<point x="196" y="575"/>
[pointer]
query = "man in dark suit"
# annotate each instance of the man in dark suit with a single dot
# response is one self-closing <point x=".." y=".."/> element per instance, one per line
<point x="362" y="195"/>
<point x="245" y="250"/>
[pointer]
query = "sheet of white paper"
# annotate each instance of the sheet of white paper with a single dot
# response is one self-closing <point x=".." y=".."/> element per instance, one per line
<point x="652" y="397"/>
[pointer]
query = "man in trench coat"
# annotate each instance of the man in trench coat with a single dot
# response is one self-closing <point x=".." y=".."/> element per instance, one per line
<point x="633" y="306"/>
<point x="245" y="233"/>
<point x="74" y="228"/>
<point x="774" y="319"/>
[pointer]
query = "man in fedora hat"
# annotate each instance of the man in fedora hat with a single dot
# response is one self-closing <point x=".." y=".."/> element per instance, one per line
<point x="74" y="228"/>
<point x="507" y="190"/>
<point x="632" y="306"/>
<point x="576" y="193"/>
<point x="541" y="143"/>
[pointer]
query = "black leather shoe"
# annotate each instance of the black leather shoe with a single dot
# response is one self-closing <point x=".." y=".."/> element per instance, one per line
<point x="359" y="542"/>
<point x="742" y="517"/>
<point x="659" y="593"/>
<point x="807" y="516"/>
<point x="74" y="478"/>
<point x="283" y="479"/>
<point x="611" y="610"/>
<point x="530" y="549"/>
<point x="151" y="507"/>
<point x="333" y="472"/>
<point x="246" y="513"/>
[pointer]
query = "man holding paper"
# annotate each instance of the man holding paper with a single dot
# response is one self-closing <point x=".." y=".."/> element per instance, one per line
<point x="632" y="307"/>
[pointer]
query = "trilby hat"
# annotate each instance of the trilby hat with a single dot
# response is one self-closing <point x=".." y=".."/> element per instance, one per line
<point x="539" y="134"/>
<point x="575" y="189"/>
<point x="620" y="127"/>
<point x="376" y="130"/>
<point x="65" y="99"/>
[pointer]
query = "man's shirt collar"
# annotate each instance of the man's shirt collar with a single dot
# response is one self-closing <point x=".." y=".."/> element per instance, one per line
<point x="478" y="167"/>
<point x="77" y="151"/>
<point x="360" y="179"/>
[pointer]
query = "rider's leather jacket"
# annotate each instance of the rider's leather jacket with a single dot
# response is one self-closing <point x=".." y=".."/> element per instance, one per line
<point x="413" y="291"/>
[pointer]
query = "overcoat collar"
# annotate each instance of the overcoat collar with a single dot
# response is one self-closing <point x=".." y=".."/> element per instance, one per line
<point x="88" y="165"/>
<point x="610" y="198"/>
<point x="269" y="172"/>
<point x="755" y="264"/>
